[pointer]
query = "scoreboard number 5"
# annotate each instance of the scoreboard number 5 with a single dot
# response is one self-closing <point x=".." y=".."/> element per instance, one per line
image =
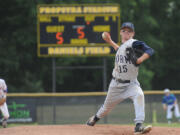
<point x="59" y="38"/>
<point x="80" y="32"/>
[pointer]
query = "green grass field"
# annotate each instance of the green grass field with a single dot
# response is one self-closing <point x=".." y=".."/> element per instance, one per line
<point x="154" y="125"/>
<point x="166" y="125"/>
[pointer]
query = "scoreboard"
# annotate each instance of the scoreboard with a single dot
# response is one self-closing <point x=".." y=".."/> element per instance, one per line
<point x="75" y="30"/>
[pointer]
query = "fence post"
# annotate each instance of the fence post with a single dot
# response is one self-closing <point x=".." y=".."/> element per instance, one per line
<point x="54" y="88"/>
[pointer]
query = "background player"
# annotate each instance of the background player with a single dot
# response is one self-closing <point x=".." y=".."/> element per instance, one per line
<point x="124" y="83"/>
<point x="3" y="107"/>
<point x="170" y="105"/>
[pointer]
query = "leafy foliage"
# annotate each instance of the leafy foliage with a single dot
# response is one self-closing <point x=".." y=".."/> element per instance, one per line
<point x="156" y="22"/>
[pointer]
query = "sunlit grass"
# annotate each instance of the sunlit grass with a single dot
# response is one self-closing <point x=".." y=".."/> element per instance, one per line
<point x="154" y="125"/>
<point x="20" y="124"/>
<point x="167" y="125"/>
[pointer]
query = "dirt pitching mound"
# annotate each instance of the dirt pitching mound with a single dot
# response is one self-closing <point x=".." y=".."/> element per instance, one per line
<point x="83" y="130"/>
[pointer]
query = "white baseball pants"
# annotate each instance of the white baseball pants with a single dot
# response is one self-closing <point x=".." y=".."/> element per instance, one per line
<point x="4" y="110"/>
<point x="118" y="92"/>
<point x="170" y="113"/>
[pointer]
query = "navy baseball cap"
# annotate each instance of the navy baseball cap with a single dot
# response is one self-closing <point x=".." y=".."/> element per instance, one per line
<point x="128" y="25"/>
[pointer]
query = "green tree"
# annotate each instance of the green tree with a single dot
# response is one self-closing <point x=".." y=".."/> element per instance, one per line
<point x="156" y="23"/>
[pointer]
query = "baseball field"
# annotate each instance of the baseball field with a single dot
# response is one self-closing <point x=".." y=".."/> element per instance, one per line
<point x="70" y="113"/>
<point x="85" y="130"/>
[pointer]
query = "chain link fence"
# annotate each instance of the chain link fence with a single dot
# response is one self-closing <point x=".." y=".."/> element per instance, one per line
<point x="76" y="108"/>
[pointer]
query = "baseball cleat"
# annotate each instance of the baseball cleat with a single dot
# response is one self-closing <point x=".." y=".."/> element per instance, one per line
<point x="92" y="120"/>
<point x="139" y="129"/>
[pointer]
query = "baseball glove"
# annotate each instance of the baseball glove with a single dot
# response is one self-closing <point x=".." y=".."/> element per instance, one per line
<point x="172" y="109"/>
<point x="2" y="99"/>
<point x="133" y="54"/>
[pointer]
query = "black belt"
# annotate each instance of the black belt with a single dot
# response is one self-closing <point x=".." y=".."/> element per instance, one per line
<point x="121" y="81"/>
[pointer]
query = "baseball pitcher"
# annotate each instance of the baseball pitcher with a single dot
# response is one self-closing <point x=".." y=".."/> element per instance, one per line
<point x="3" y="105"/>
<point x="124" y="84"/>
<point x="170" y="105"/>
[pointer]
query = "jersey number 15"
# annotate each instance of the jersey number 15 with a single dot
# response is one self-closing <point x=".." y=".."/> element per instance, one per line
<point x="123" y="68"/>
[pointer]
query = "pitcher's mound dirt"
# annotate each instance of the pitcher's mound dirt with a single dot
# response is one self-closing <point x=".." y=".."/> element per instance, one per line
<point x="83" y="130"/>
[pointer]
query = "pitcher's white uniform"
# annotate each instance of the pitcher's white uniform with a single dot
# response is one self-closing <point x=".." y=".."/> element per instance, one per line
<point x="4" y="108"/>
<point x="124" y="84"/>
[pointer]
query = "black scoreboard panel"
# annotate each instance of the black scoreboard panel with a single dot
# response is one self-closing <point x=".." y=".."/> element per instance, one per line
<point x="75" y="30"/>
<point x="79" y="31"/>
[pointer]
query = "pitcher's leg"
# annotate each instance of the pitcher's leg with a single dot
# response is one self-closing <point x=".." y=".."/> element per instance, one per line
<point x="113" y="97"/>
<point x="111" y="100"/>
<point x="137" y="95"/>
<point x="139" y="105"/>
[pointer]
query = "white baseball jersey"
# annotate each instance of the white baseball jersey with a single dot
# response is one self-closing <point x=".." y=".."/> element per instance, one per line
<point x="3" y="85"/>
<point x="124" y="69"/>
<point x="4" y="108"/>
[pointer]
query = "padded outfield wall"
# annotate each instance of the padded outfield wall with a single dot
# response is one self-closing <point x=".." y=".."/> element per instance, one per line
<point x="76" y="108"/>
